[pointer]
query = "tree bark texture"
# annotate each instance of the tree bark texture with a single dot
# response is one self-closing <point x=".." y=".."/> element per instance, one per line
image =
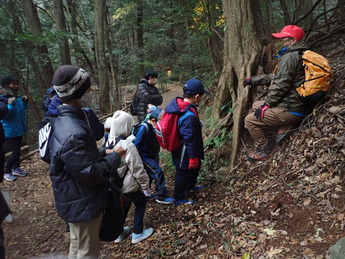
<point x="241" y="59"/>
<point x="140" y="33"/>
<point x="103" y="78"/>
<point x="35" y="26"/>
<point x="60" y="21"/>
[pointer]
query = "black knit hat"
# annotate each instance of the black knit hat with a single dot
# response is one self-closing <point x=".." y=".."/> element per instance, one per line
<point x="71" y="82"/>
<point x="7" y="80"/>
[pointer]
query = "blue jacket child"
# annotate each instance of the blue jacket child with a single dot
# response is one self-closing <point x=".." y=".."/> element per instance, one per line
<point x="149" y="148"/>
<point x="14" y="124"/>
<point x="187" y="158"/>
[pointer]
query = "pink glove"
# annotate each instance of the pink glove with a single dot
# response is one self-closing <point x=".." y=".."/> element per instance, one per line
<point x="260" y="112"/>
<point x="193" y="163"/>
<point x="147" y="192"/>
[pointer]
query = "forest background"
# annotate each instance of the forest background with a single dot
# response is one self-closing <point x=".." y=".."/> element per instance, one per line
<point x="117" y="41"/>
<point x="289" y="206"/>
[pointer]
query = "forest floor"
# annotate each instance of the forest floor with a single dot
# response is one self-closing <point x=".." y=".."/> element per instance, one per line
<point x="288" y="206"/>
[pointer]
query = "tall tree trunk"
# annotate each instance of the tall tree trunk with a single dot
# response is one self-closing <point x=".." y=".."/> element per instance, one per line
<point x="35" y="26"/>
<point x="287" y="19"/>
<point x="29" y="50"/>
<point x="241" y="59"/>
<point x="78" y="50"/>
<point x="60" y="21"/>
<point x="213" y="42"/>
<point x="115" y="98"/>
<point x="17" y="28"/>
<point x="103" y="78"/>
<point x="140" y="35"/>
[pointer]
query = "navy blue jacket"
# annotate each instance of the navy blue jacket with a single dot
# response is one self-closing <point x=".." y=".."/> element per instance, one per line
<point x="77" y="170"/>
<point x="190" y="133"/>
<point x="146" y="142"/>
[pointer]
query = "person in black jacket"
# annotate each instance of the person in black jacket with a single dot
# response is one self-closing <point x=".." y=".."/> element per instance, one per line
<point x="78" y="169"/>
<point x="3" y="111"/>
<point x="148" y="93"/>
<point x="4" y="209"/>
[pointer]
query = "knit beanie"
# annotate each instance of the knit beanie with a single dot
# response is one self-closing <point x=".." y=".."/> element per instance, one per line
<point x="7" y="80"/>
<point x="121" y="125"/>
<point x="71" y="82"/>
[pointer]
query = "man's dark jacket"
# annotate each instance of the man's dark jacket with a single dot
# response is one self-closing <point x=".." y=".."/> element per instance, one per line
<point x="289" y="75"/>
<point x="148" y="94"/>
<point x="77" y="170"/>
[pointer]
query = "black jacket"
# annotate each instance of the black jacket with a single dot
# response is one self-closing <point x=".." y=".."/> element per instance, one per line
<point x="148" y="94"/>
<point x="77" y="170"/>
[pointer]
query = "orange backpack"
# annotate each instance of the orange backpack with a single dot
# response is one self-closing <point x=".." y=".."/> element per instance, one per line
<point x="318" y="76"/>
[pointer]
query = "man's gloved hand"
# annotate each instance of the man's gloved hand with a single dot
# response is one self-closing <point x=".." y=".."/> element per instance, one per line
<point x="147" y="192"/>
<point x="248" y="81"/>
<point x="193" y="163"/>
<point x="260" y="112"/>
<point x="11" y="100"/>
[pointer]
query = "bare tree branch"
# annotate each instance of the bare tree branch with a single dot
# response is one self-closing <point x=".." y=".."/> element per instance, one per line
<point x="308" y="13"/>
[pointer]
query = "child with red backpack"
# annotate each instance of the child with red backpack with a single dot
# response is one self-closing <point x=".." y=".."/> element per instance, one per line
<point x="187" y="158"/>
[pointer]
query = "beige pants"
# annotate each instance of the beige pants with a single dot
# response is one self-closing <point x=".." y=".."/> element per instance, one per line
<point x="274" y="117"/>
<point x="85" y="243"/>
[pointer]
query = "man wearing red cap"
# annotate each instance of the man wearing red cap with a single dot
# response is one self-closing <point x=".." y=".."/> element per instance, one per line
<point x="282" y="106"/>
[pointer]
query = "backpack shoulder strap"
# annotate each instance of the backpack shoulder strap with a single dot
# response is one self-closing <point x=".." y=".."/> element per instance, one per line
<point x="187" y="113"/>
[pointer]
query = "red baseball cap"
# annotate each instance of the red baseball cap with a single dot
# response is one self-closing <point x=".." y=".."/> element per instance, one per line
<point x="291" y="31"/>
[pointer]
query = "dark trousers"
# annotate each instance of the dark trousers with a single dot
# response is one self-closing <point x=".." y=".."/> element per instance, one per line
<point x="139" y="200"/>
<point x="13" y="161"/>
<point x="185" y="180"/>
<point x="156" y="174"/>
<point x="2" y="162"/>
<point x="2" y="246"/>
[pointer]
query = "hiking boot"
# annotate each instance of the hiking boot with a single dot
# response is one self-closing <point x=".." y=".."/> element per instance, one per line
<point x="9" y="177"/>
<point x="283" y="133"/>
<point x="260" y="153"/>
<point x="186" y="202"/>
<point x="123" y="235"/>
<point x="139" y="237"/>
<point x="165" y="200"/>
<point x="19" y="172"/>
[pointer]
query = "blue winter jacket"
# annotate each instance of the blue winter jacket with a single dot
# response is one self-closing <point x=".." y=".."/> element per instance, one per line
<point x="146" y="141"/>
<point x="14" y="122"/>
<point x="77" y="169"/>
<point x="190" y="133"/>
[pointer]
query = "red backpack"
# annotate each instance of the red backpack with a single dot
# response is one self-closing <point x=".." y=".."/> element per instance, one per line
<point x="167" y="129"/>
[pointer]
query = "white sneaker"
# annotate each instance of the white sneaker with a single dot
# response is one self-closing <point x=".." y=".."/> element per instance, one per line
<point x="123" y="235"/>
<point x="10" y="177"/>
<point x="139" y="237"/>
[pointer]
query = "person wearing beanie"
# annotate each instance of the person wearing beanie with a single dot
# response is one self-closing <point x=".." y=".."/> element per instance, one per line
<point x="282" y="106"/>
<point x="79" y="171"/>
<point x="148" y="147"/>
<point x="135" y="179"/>
<point x="187" y="158"/>
<point x="14" y="124"/>
<point x="148" y="94"/>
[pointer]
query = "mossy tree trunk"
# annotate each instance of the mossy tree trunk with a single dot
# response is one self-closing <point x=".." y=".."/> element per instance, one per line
<point x="242" y="49"/>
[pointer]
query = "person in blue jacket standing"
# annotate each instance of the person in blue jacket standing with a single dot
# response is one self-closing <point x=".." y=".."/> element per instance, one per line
<point x="14" y="124"/>
<point x="187" y="158"/>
